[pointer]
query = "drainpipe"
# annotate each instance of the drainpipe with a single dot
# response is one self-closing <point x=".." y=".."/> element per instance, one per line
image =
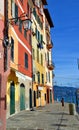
<point x="3" y="72"/>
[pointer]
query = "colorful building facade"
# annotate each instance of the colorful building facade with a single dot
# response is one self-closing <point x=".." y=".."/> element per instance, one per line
<point x="42" y="67"/>
<point x="25" y="57"/>
<point x="19" y="83"/>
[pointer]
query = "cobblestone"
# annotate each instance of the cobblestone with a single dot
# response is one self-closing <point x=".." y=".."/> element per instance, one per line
<point x="50" y="117"/>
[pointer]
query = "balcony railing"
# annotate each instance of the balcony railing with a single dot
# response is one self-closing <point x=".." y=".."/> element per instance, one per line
<point x="47" y="28"/>
<point x="50" y="65"/>
<point x="50" y="45"/>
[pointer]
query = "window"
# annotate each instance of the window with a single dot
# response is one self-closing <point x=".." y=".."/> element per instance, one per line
<point x="13" y="8"/>
<point x="20" y="25"/>
<point x="41" y="59"/>
<point x="41" y="38"/>
<point x="42" y="78"/>
<point x="37" y="34"/>
<point x="26" y="60"/>
<point x="12" y="49"/>
<point x="16" y="13"/>
<point x="33" y="77"/>
<point x="37" y="55"/>
<point x="49" y="76"/>
<point x="48" y="57"/>
<point x="45" y="56"/>
<point x="45" y="96"/>
<point x="38" y="77"/>
<point x="41" y="25"/>
<point x="46" y="77"/>
<point x="37" y="93"/>
<point x="34" y="12"/>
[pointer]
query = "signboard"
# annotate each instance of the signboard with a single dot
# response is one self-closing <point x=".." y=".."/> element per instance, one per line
<point x="40" y="88"/>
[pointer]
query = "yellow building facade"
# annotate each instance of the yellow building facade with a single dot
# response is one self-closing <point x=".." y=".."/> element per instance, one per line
<point x="49" y="66"/>
<point x="42" y="75"/>
<point x="39" y="89"/>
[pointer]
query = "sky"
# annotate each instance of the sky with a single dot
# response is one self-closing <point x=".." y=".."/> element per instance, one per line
<point x="65" y="37"/>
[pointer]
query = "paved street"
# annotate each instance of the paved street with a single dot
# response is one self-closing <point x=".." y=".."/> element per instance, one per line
<point x="50" y="117"/>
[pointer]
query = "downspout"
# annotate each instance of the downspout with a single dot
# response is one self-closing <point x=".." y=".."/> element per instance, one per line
<point x="6" y="37"/>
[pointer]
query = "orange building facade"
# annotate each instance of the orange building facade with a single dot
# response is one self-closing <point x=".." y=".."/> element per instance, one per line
<point x="25" y="57"/>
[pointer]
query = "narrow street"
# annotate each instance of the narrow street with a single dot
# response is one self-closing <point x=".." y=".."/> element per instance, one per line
<point x="50" y="117"/>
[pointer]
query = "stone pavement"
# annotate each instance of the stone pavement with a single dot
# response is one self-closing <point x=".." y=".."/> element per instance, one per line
<point x="50" y="117"/>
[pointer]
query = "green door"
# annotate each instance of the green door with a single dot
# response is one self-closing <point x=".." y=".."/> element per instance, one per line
<point x="34" y="99"/>
<point x="12" y="98"/>
<point x="30" y="98"/>
<point x="22" y="97"/>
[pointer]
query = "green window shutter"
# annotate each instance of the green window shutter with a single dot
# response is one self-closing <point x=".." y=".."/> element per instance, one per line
<point x="49" y="76"/>
<point x="26" y="60"/>
<point x="12" y="49"/>
<point x="38" y="36"/>
<point x="37" y="55"/>
<point x="38" y="77"/>
<point x="34" y="12"/>
<point x="41" y="59"/>
<point x="36" y="33"/>
<point x="16" y="13"/>
<point x="41" y="38"/>
<point x="41" y="25"/>
<point x="33" y="77"/>
<point x="42" y="78"/>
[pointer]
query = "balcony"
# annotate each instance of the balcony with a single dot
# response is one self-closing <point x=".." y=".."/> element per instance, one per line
<point x="50" y="45"/>
<point x="47" y="29"/>
<point x="50" y="65"/>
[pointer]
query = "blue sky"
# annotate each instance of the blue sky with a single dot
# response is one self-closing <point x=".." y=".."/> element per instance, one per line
<point x="65" y="36"/>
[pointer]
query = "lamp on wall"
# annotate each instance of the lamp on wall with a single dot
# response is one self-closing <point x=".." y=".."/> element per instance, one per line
<point x="14" y="21"/>
<point x="25" y="20"/>
<point x="27" y="24"/>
